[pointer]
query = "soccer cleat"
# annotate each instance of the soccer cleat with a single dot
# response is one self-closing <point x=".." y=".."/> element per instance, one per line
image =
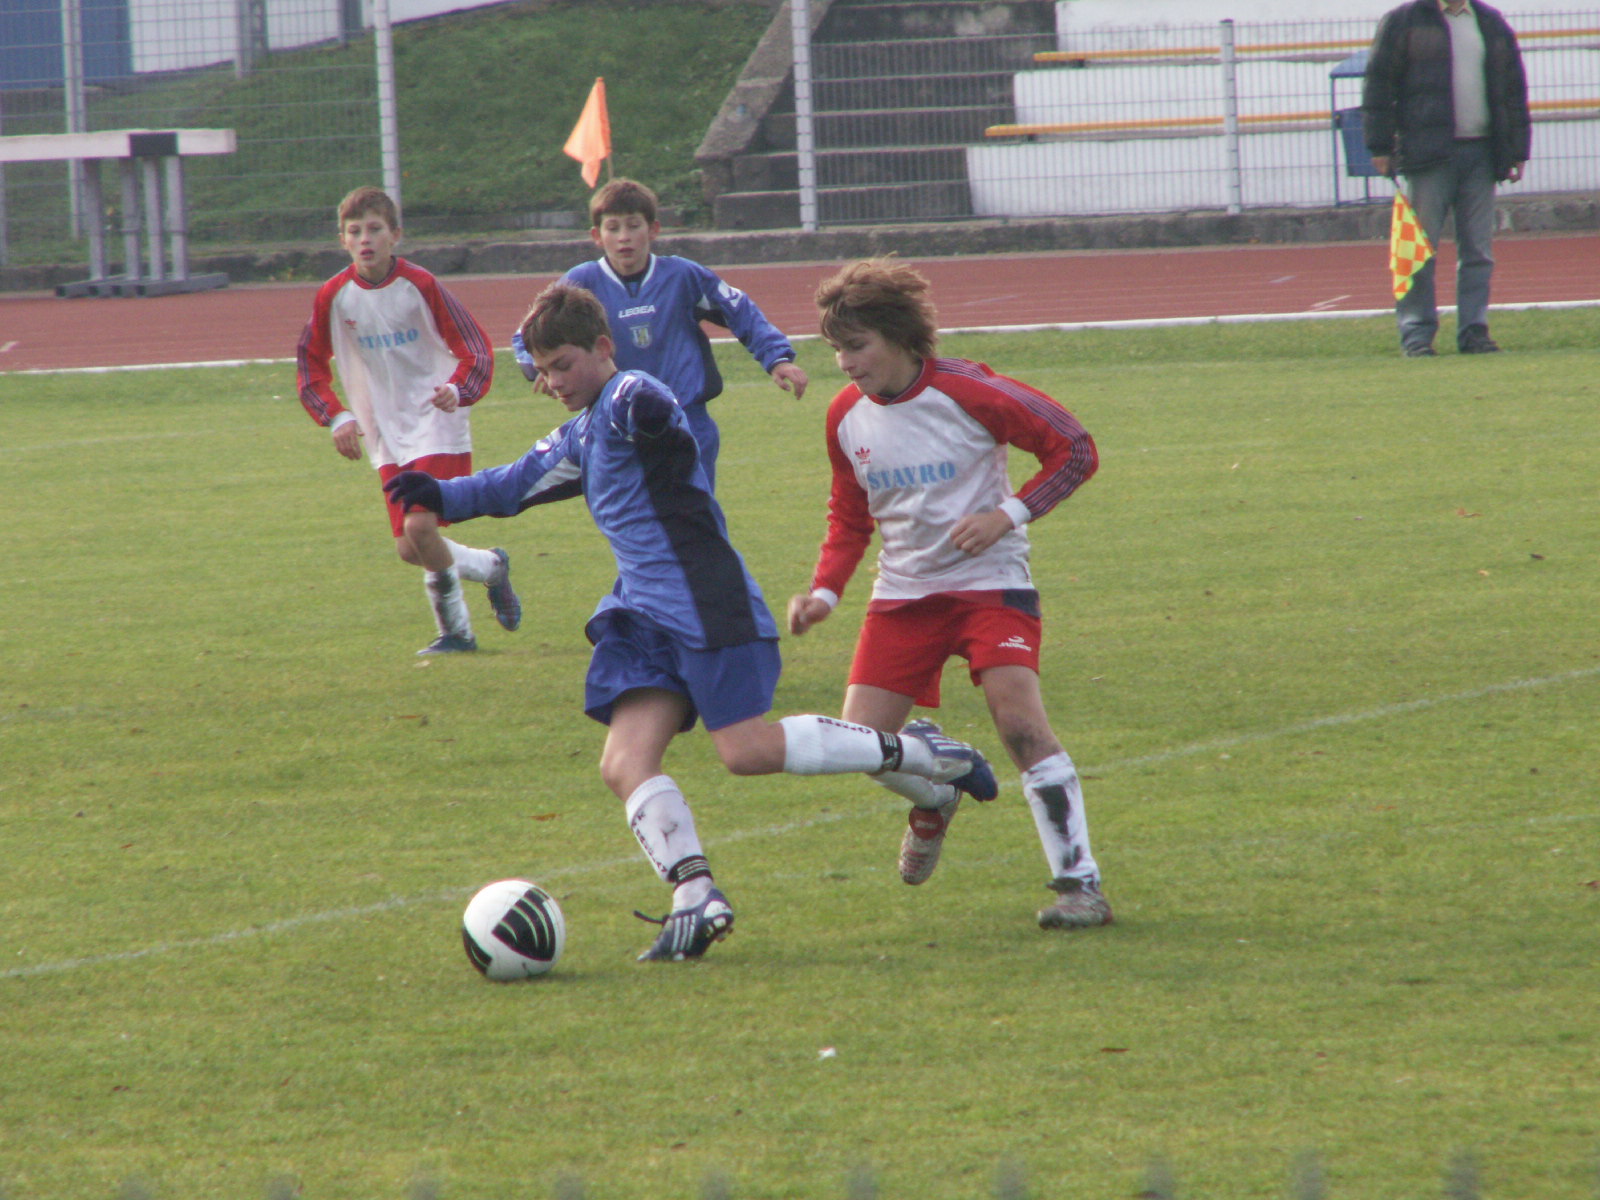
<point x="450" y="643"/>
<point x="977" y="781"/>
<point x="689" y="932"/>
<point x="1079" y="905"/>
<point x="507" y="608"/>
<point x="924" y="839"/>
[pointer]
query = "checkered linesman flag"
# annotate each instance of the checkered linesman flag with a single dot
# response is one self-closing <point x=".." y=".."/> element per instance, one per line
<point x="1409" y="247"/>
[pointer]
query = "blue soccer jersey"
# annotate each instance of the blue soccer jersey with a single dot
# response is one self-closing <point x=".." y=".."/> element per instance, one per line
<point x="633" y="458"/>
<point x="655" y="323"/>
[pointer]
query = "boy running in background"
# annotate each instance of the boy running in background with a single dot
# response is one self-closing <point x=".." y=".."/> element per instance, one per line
<point x="411" y="361"/>
<point x="918" y="448"/>
<point x="685" y="633"/>
<point x="655" y="304"/>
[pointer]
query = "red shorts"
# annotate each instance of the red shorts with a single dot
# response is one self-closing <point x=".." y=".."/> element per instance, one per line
<point x="903" y="649"/>
<point x="440" y="466"/>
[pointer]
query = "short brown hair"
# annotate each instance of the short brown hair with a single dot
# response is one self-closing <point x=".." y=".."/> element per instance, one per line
<point x="368" y="200"/>
<point x="564" y="314"/>
<point x="882" y="295"/>
<point x="620" y="198"/>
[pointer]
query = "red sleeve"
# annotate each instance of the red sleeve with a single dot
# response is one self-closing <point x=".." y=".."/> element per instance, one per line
<point x="314" y="358"/>
<point x="850" y="522"/>
<point x="1018" y="415"/>
<point x="462" y="333"/>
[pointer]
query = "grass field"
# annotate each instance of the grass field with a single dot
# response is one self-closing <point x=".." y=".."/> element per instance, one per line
<point x="1320" y="637"/>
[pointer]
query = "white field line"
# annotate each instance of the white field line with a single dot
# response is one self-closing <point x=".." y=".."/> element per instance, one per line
<point x="1060" y="327"/>
<point x="394" y="903"/>
<point x="1374" y="714"/>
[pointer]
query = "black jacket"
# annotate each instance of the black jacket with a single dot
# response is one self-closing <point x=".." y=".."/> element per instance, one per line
<point x="1406" y="107"/>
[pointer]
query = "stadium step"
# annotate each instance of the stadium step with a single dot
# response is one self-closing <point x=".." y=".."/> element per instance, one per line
<point x="899" y="90"/>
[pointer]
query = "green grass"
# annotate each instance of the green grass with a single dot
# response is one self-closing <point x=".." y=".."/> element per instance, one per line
<point x="1320" y="637"/>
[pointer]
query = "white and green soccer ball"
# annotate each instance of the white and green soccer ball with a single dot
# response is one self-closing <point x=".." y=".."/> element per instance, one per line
<point x="513" y="929"/>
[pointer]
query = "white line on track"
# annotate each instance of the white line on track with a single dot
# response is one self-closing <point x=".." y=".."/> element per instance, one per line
<point x="290" y="924"/>
<point x="1059" y="327"/>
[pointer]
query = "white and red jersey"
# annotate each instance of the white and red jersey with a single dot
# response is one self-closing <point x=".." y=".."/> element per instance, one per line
<point x="914" y="465"/>
<point x="395" y="342"/>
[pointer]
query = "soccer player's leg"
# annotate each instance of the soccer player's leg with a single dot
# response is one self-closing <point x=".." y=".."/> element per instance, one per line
<point x="492" y="567"/>
<point x="417" y="541"/>
<point x="634" y="689"/>
<point x="1055" y="797"/>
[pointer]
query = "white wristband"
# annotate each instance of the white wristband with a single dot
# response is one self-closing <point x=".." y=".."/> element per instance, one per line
<point x="1014" y="508"/>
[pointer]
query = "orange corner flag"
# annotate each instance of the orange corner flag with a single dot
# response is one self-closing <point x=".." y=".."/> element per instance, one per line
<point x="1409" y="248"/>
<point x="590" y="142"/>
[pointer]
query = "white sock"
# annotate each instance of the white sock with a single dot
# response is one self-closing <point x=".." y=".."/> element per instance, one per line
<point x="924" y="793"/>
<point x="1056" y="798"/>
<point x="448" y="604"/>
<point x="480" y="566"/>
<point x="815" y="745"/>
<point x="660" y="818"/>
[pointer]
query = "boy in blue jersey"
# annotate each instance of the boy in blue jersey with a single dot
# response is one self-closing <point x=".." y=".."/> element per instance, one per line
<point x="655" y="304"/>
<point x="685" y="633"/>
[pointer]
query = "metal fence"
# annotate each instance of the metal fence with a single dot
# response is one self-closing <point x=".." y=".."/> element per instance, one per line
<point x="1227" y="115"/>
<point x="1047" y="121"/>
<point x="297" y="78"/>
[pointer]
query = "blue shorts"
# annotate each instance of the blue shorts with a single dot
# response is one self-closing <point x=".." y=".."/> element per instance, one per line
<point x="723" y="686"/>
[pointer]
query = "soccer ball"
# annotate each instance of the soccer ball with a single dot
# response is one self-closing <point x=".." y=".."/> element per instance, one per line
<point x="513" y="929"/>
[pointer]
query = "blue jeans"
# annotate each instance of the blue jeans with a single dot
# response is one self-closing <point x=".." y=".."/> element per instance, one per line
<point x="1464" y="185"/>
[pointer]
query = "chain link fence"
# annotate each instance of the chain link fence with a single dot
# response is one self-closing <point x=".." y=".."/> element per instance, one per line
<point x="1041" y="122"/>
<point x="296" y="78"/>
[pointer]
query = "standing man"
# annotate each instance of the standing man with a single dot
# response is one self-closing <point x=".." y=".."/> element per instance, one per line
<point x="1446" y="105"/>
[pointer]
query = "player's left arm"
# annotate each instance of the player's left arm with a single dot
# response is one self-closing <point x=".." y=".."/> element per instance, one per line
<point x="644" y="413"/>
<point x="467" y="342"/>
<point x="723" y="304"/>
<point x="1018" y="415"/>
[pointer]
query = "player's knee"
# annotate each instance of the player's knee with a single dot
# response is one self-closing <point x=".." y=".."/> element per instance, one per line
<point x="614" y="774"/>
<point x="743" y="760"/>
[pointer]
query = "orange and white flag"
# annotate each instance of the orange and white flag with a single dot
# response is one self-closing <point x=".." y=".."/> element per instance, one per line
<point x="1409" y="247"/>
<point x="590" y="142"/>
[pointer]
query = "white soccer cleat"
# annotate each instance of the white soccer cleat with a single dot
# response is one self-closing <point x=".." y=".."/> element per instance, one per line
<point x="1079" y="905"/>
<point x="924" y="840"/>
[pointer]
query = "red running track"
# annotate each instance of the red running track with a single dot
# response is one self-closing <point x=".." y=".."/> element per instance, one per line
<point x="263" y="321"/>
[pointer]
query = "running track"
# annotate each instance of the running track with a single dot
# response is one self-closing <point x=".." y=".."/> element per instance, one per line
<point x="263" y="321"/>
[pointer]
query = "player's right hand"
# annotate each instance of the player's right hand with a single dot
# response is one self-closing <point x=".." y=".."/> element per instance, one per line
<point x="805" y="611"/>
<point x="347" y="439"/>
<point x="416" y="489"/>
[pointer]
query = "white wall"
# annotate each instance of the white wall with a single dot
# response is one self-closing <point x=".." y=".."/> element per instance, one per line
<point x="1103" y="14"/>
<point x="170" y="35"/>
<point x="1175" y="170"/>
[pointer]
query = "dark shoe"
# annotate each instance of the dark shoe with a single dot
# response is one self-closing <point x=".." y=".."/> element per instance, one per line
<point x="1420" y="352"/>
<point x="450" y="643"/>
<point x="689" y="932"/>
<point x="1476" y="340"/>
<point x="958" y="764"/>
<point x="507" y="608"/>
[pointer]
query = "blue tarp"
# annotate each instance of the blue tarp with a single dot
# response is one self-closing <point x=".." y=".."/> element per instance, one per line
<point x="30" y="43"/>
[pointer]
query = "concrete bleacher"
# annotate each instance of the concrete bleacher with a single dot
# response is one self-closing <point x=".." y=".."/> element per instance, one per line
<point x="950" y="111"/>
<point x="899" y="90"/>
